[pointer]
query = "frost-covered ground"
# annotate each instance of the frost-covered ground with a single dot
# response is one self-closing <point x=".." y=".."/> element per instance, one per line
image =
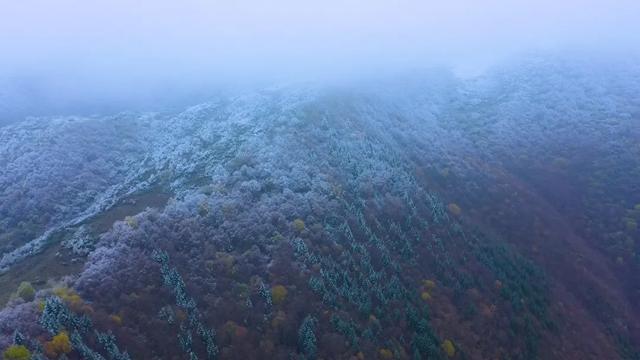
<point x="423" y="217"/>
<point x="60" y="172"/>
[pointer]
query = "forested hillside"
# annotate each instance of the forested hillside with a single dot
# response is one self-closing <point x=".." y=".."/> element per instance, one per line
<point x="419" y="217"/>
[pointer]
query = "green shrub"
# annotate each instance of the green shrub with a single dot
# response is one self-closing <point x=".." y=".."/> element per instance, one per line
<point x="16" y="352"/>
<point x="26" y="291"/>
<point x="298" y="224"/>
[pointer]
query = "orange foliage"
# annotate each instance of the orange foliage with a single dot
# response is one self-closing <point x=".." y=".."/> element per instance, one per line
<point x="117" y="319"/>
<point x="454" y="209"/>
<point x="278" y="294"/>
<point x="278" y="319"/>
<point x="69" y="296"/>
<point x="386" y="354"/>
<point x="59" y="345"/>
<point x="233" y="330"/>
<point x="429" y="284"/>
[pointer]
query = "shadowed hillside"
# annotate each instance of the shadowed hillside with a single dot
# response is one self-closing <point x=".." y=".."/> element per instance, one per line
<point x="420" y="217"/>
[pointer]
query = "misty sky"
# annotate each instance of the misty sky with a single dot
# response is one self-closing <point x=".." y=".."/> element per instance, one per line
<point x="97" y="47"/>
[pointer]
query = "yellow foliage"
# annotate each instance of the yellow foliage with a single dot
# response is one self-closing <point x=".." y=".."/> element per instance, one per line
<point x="429" y="284"/>
<point x="278" y="294"/>
<point x="279" y="319"/>
<point x="448" y="348"/>
<point x="277" y="238"/>
<point x="454" y="209"/>
<point x="298" y="224"/>
<point x="425" y="296"/>
<point x="385" y="354"/>
<point x="62" y="292"/>
<point x="181" y="315"/>
<point x="131" y="221"/>
<point x="117" y="319"/>
<point x="74" y="299"/>
<point x="59" y="345"/>
<point x="69" y="296"/>
<point x="16" y="352"/>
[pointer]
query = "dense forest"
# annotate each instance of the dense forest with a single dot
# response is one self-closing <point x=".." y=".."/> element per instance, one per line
<point x="422" y="217"/>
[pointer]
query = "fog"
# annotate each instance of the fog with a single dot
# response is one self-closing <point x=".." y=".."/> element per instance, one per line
<point x="92" y="56"/>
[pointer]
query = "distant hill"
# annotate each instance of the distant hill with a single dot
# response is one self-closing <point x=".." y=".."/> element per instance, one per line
<point x="420" y="217"/>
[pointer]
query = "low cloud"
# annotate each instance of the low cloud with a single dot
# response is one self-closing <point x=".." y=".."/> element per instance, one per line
<point x="78" y="52"/>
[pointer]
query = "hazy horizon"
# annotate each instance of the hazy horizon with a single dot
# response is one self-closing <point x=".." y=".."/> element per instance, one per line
<point x="58" y="57"/>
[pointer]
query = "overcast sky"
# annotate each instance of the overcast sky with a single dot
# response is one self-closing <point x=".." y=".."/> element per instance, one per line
<point x="117" y="45"/>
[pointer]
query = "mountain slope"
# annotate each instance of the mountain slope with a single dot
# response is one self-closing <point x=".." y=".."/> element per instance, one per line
<point x="427" y="218"/>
